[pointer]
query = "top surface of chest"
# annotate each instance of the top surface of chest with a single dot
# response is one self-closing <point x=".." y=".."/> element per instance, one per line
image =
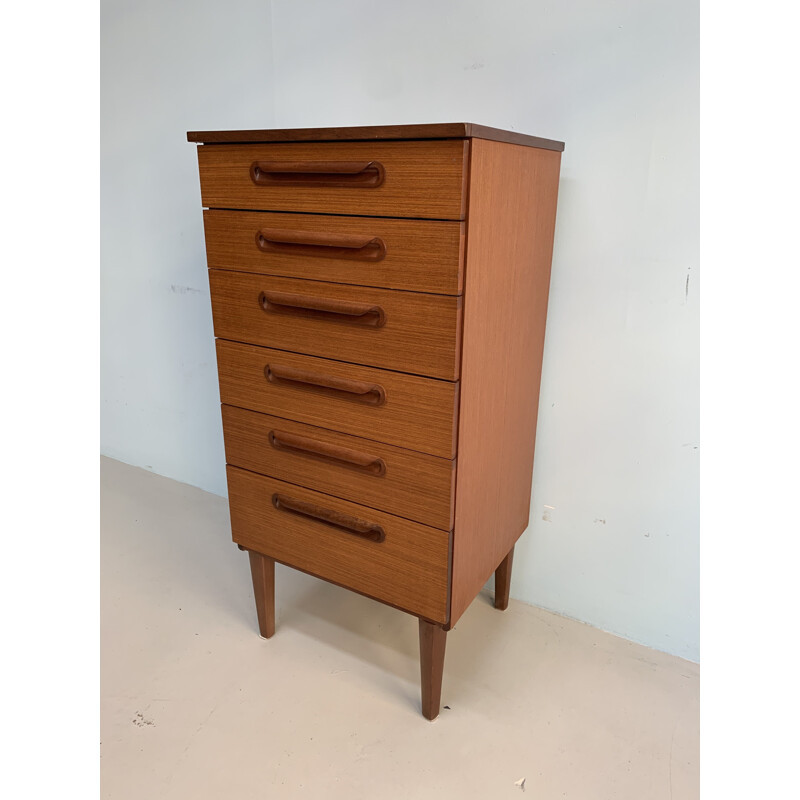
<point x="430" y="131"/>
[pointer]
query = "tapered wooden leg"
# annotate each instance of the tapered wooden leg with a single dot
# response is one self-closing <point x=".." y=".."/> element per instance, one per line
<point x="502" y="581"/>
<point x="432" y="639"/>
<point x="263" y="571"/>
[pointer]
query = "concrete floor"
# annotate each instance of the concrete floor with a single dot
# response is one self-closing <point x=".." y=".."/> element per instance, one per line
<point x="196" y="705"/>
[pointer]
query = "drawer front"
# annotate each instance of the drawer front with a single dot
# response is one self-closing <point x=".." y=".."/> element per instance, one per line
<point x="401" y="482"/>
<point x="382" y="179"/>
<point x="391" y="559"/>
<point x="404" y="331"/>
<point x="415" y="255"/>
<point x="403" y="410"/>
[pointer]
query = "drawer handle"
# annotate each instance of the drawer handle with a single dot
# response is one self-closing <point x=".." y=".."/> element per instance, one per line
<point x="343" y="455"/>
<point x="369" y="393"/>
<point x="354" y="525"/>
<point x="320" y="245"/>
<point x="358" y="174"/>
<point x="322" y="308"/>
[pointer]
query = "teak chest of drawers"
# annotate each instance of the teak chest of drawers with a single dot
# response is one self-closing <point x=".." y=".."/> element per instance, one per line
<point x="379" y="299"/>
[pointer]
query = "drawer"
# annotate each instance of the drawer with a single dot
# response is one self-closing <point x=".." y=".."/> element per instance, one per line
<point x="402" y="482"/>
<point x="391" y="559"/>
<point x="410" y="254"/>
<point x="404" y="331"/>
<point x="422" y="179"/>
<point x="403" y="410"/>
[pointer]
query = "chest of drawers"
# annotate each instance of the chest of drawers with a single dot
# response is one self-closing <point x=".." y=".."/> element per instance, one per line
<point x="379" y="299"/>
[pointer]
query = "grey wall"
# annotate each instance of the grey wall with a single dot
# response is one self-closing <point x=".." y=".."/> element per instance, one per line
<point x="614" y="523"/>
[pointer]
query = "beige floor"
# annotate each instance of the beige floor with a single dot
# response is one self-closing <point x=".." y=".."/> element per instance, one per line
<point x="196" y="705"/>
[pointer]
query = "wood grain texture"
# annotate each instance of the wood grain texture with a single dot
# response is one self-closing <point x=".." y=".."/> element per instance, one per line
<point x="262" y="570"/>
<point x="432" y="641"/>
<point x="421" y="255"/>
<point x="512" y="210"/>
<point x="408" y="569"/>
<point x="418" y="413"/>
<point x="446" y="130"/>
<point x="419" y="333"/>
<point x="422" y="179"/>
<point x="412" y="485"/>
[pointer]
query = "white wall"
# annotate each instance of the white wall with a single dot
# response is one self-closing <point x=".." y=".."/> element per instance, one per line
<point x="617" y="456"/>
<point x="168" y="66"/>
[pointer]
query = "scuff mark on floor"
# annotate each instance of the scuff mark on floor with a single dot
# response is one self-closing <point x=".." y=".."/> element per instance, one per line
<point x="551" y="627"/>
<point x="199" y="728"/>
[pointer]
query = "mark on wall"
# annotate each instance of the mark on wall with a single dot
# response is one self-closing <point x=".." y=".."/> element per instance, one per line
<point x="177" y="289"/>
<point x="546" y="516"/>
<point x="599" y="521"/>
<point x="686" y="290"/>
<point x="476" y="65"/>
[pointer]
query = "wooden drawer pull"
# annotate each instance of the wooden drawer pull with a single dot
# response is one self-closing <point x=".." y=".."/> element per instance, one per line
<point x="344" y="522"/>
<point x="373" y="465"/>
<point x="322" y="308"/>
<point x="369" y="393"/>
<point x="358" y="174"/>
<point x="321" y="245"/>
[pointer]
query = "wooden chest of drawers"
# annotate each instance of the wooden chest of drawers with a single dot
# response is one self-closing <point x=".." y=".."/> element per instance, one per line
<point x="379" y="299"/>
